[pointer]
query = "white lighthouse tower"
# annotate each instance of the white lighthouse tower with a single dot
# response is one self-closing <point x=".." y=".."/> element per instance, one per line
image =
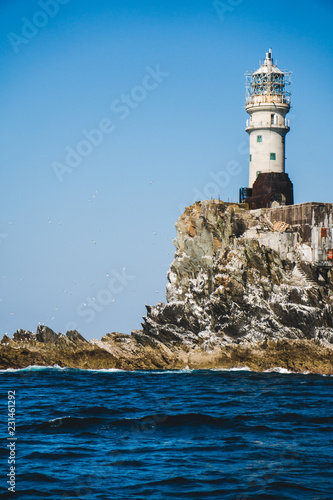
<point x="267" y="103"/>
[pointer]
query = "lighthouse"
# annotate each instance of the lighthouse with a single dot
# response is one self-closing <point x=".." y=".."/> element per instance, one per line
<point x="267" y="103"/>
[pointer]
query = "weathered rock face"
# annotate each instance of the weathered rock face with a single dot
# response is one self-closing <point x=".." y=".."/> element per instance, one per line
<point x="226" y="286"/>
<point x="46" y="335"/>
<point x="115" y="350"/>
<point x="236" y="296"/>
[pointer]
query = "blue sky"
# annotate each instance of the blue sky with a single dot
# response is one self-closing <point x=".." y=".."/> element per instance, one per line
<point x="88" y="246"/>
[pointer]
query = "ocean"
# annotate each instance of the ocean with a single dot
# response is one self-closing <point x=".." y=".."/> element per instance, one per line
<point x="212" y="434"/>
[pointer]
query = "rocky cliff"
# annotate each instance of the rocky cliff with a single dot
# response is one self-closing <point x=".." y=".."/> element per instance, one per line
<point x="238" y="294"/>
<point x="228" y="283"/>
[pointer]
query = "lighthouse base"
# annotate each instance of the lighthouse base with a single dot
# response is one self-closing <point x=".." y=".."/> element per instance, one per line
<point x="271" y="189"/>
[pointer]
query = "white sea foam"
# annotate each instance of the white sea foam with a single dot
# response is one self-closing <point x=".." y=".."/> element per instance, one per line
<point x="104" y="370"/>
<point x="241" y="369"/>
<point x="288" y="372"/>
<point x="162" y="372"/>
<point x="278" y="370"/>
<point x="56" y="367"/>
<point x="58" y="422"/>
<point x="31" y="368"/>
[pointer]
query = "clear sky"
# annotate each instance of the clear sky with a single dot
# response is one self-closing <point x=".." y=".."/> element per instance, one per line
<point x="117" y="115"/>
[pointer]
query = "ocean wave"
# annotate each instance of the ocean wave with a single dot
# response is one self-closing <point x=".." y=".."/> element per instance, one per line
<point x="238" y="369"/>
<point x="39" y="477"/>
<point x="37" y="455"/>
<point x="110" y="436"/>
<point x="38" y="368"/>
<point x="279" y="370"/>
<point x="56" y="367"/>
<point x="153" y="421"/>
<point x="128" y="463"/>
<point x="285" y="371"/>
<point x="71" y="422"/>
<point x="104" y="370"/>
<point x="63" y="423"/>
<point x="31" y="368"/>
<point x="100" y="410"/>
<point x="165" y="372"/>
<point x="178" y="480"/>
<point x="146" y="423"/>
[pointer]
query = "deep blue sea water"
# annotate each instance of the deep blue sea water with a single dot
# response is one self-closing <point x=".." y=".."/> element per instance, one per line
<point x="169" y="435"/>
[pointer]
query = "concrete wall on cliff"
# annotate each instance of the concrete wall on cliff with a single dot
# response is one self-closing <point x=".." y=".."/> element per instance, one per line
<point x="313" y="222"/>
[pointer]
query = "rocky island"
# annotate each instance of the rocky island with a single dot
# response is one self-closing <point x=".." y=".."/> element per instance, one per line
<point x="242" y="291"/>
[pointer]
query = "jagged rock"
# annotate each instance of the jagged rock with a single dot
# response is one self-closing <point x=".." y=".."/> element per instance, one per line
<point x="224" y="280"/>
<point x="24" y="336"/>
<point x="143" y="339"/>
<point x="76" y="337"/>
<point x="236" y="297"/>
<point x="116" y="336"/>
<point x="5" y="340"/>
<point x="46" y="335"/>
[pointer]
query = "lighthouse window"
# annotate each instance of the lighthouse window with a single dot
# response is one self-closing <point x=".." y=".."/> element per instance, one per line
<point x="282" y="140"/>
<point x="250" y="157"/>
<point x="258" y="172"/>
<point x="273" y="156"/>
<point x="259" y="138"/>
